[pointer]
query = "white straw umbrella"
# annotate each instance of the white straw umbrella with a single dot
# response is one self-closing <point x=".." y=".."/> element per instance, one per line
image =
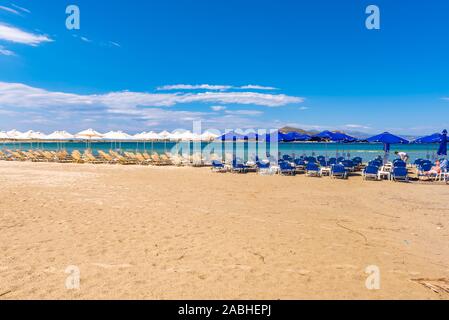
<point x="57" y="136"/>
<point x="118" y="136"/>
<point x="151" y="136"/>
<point x="209" y="136"/>
<point x="13" y="135"/>
<point x="88" y="135"/>
<point x="140" y="137"/>
<point x="165" y="135"/>
<point x="4" y="136"/>
<point x="39" y="136"/>
<point x="25" y="136"/>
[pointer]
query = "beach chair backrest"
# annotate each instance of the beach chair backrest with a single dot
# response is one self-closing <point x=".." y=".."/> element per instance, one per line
<point x="372" y="170"/>
<point x="338" y="168"/>
<point x="399" y="163"/>
<point x="284" y="165"/>
<point x="400" y="172"/>
<point x="263" y="165"/>
<point x="77" y="153"/>
<point x="47" y="155"/>
<point x="348" y="163"/>
<point x="418" y="162"/>
<point x="375" y="163"/>
<point x="322" y="162"/>
<point x="217" y="164"/>
<point x="90" y="156"/>
<point x="76" y="156"/>
<point x="426" y="166"/>
<point x="312" y="166"/>
<point x="332" y="161"/>
<point x="311" y="159"/>
<point x="140" y="157"/>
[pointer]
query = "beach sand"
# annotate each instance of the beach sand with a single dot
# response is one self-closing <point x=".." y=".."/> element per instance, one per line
<point x="188" y="233"/>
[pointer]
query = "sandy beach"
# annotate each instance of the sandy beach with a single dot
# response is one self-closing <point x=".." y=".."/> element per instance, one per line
<point x="188" y="233"/>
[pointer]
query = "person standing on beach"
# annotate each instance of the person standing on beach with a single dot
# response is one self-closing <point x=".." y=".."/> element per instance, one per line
<point x="403" y="155"/>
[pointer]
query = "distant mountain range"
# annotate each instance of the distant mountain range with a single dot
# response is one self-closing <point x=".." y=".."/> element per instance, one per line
<point x="355" y="134"/>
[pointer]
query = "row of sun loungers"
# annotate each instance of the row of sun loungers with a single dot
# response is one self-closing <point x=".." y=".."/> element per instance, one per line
<point x="310" y="166"/>
<point x="113" y="157"/>
<point x="398" y="170"/>
<point x="319" y="166"/>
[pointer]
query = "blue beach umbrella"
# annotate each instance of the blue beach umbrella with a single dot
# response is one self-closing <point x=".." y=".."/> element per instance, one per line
<point x="231" y="136"/>
<point x="334" y="136"/>
<point x="433" y="138"/>
<point x="440" y="138"/>
<point x="442" y="150"/>
<point x="387" y="139"/>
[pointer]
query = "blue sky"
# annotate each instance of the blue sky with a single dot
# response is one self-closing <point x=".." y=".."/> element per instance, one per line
<point x="261" y="64"/>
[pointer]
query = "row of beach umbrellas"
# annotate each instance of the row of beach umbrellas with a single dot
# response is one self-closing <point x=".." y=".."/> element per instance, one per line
<point x="385" y="138"/>
<point x="91" y="134"/>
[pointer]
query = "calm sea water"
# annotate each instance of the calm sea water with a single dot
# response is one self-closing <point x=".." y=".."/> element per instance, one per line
<point x="365" y="150"/>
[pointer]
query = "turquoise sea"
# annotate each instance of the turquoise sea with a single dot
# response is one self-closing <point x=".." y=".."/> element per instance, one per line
<point x="244" y="150"/>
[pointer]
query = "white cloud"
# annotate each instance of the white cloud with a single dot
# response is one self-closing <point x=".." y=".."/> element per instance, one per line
<point x="267" y="100"/>
<point x="10" y="10"/>
<point x="6" y="52"/>
<point x="218" y="108"/>
<point x="303" y="108"/>
<point x="257" y="87"/>
<point x="20" y="8"/>
<point x="82" y="38"/>
<point x="244" y="112"/>
<point x="356" y="126"/>
<point x="85" y="39"/>
<point x="20" y="95"/>
<point x="131" y="110"/>
<point x="115" y="44"/>
<point x="212" y="87"/>
<point x="13" y="34"/>
<point x="194" y="87"/>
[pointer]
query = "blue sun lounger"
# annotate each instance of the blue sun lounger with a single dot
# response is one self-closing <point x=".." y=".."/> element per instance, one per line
<point x="423" y="169"/>
<point x="312" y="170"/>
<point x="218" y="166"/>
<point x="237" y="167"/>
<point x="399" y="174"/>
<point x="285" y="168"/>
<point x="263" y="168"/>
<point x="357" y="161"/>
<point x="371" y="172"/>
<point x="339" y="171"/>
<point x="399" y="163"/>
<point x="348" y="165"/>
<point x="300" y="165"/>
<point x="332" y="161"/>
